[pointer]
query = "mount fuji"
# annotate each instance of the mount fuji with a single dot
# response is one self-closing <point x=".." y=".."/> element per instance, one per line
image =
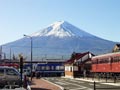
<point x="61" y="29"/>
<point x="60" y="39"/>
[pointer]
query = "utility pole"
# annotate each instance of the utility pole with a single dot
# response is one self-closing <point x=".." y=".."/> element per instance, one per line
<point x="21" y="68"/>
<point x="31" y="46"/>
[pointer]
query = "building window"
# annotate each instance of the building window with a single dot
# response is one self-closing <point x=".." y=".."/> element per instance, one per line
<point x="47" y="68"/>
<point x="42" y="68"/>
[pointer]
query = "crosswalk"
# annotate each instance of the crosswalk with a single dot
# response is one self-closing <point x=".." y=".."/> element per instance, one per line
<point x="69" y="84"/>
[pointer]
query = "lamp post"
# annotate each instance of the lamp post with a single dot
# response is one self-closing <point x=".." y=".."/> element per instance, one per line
<point x="31" y="51"/>
<point x="10" y="55"/>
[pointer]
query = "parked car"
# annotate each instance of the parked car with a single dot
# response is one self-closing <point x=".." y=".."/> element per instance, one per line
<point x="9" y="75"/>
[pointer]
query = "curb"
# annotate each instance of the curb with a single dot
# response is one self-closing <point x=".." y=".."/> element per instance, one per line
<point x="90" y="80"/>
<point x="107" y="83"/>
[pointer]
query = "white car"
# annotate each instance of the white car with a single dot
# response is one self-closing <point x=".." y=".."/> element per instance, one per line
<point x="8" y="76"/>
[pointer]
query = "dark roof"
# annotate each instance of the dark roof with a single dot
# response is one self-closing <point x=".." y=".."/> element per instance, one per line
<point x="118" y="45"/>
<point x="77" y="57"/>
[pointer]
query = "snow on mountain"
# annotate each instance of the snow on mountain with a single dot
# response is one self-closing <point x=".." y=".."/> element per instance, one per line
<point x="61" y="29"/>
<point x="60" y="38"/>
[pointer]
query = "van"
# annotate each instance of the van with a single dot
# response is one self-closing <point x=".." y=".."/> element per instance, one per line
<point x="9" y="75"/>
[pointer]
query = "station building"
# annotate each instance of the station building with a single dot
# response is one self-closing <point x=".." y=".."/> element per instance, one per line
<point x="78" y="65"/>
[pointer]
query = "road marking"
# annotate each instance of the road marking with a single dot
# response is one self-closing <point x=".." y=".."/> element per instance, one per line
<point x="81" y="89"/>
<point x="93" y="84"/>
<point x="76" y="85"/>
<point x="89" y="89"/>
<point x="77" y="81"/>
<point x="78" y="88"/>
<point x="61" y="83"/>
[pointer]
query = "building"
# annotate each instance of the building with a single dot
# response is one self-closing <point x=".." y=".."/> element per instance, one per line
<point x="116" y="48"/>
<point x="78" y="65"/>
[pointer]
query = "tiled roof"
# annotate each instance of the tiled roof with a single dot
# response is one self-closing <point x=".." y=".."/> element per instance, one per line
<point x="77" y="57"/>
<point x="118" y="45"/>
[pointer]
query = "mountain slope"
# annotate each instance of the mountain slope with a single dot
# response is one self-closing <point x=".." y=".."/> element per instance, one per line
<point x="60" y="39"/>
<point x="61" y="29"/>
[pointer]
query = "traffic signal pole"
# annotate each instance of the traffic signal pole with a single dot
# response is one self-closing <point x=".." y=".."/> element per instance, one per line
<point x="21" y="68"/>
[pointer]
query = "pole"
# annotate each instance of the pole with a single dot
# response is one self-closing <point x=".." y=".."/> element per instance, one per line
<point x="94" y="86"/>
<point x="31" y="59"/>
<point x="10" y="55"/>
<point x="21" y="69"/>
<point x="31" y="43"/>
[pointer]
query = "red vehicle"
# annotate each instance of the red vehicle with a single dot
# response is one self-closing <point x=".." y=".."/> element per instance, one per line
<point x="107" y="64"/>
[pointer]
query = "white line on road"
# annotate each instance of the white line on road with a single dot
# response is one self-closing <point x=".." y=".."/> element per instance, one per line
<point x="61" y="83"/>
<point x="77" y="81"/>
<point x="93" y="84"/>
<point x="77" y="88"/>
<point x="75" y="85"/>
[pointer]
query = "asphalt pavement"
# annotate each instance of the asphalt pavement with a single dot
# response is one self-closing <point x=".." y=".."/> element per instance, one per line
<point x="82" y="84"/>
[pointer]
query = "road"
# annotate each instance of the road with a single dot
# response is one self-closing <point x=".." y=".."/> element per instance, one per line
<point x="72" y="84"/>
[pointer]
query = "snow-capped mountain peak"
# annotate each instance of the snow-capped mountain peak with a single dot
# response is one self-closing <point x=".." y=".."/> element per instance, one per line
<point x="57" y="40"/>
<point x="61" y="29"/>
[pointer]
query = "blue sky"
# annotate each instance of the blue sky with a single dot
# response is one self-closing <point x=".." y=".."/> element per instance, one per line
<point x="98" y="17"/>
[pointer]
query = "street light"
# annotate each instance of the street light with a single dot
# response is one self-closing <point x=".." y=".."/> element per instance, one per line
<point x="31" y="52"/>
<point x="10" y="55"/>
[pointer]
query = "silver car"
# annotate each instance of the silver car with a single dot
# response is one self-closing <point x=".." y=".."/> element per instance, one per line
<point x="8" y="76"/>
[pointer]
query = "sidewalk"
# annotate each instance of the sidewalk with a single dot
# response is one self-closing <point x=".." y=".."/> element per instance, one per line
<point x="102" y="81"/>
<point x="41" y="84"/>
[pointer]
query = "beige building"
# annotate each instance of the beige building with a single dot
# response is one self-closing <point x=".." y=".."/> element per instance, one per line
<point x="78" y="65"/>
